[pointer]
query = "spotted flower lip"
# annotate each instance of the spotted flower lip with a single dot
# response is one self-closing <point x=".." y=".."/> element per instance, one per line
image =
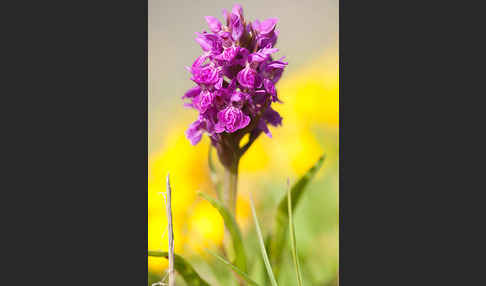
<point x="204" y="101"/>
<point x="235" y="77"/>
<point x="207" y="75"/>
<point x="232" y="119"/>
<point x="228" y="54"/>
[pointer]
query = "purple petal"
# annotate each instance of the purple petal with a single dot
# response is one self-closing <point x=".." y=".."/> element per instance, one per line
<point x="237" y="27"/>
<point x="262" y="54"/>
<point x="247" y="77"/>
<point x="229" y="54"/>
<point x="238" y="10"/>
<point x="270" y="88"/>
<point x="205" y="45"/>
<point x="204" y="100"/>
<point x="207" y="75"/>
<point x="194" y="133"/>
<point x="268" y="25"/>
<point x="233" y="119"/>
<point x="244" y="122"/>
<point x="193" y="92"/>
<point x="272" y="117"/>
<point x="198" y="63"/>
<point x="239" y="98"/>
<point x="210" y="42"/>
<point x="262" y="126"/>
<point x="256" y="25"/>
<point x="213" y="24"/>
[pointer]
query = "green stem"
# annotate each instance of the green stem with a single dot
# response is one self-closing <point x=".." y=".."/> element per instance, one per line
<point x="229" y="154"/>
<point x="230" y="187"/>
<point x="229" y="194"/>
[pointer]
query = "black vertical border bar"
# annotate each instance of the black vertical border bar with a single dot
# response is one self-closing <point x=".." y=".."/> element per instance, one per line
<point x="82" y="140"/>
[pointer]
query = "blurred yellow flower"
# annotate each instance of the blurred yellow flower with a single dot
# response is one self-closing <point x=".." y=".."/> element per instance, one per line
<point x="187" y="166"/>
<point x="311" y="102"/>
<point x="256" y="158"/>
<point x="206" y="227"/>
<point x="243" y="211"/>
<point x="311" y="96"/>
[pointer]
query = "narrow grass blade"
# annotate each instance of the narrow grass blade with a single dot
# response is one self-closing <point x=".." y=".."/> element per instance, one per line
<point x="293" y="243"/>
<point x="282" y="219"/>
<point x="232" y="226"/>
<point x="183" y="268"/>
<point x="236" y="269"/>
<point x="264" y="275"/>
<point x="262" y="246"/>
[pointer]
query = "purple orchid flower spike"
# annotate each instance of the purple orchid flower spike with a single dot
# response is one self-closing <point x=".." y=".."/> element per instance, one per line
<point x="235" y="81"/>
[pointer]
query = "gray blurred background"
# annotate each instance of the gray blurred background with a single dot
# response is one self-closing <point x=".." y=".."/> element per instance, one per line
<point x="307" y="28"/>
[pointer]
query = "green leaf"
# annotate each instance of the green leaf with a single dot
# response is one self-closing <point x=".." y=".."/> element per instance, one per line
<point x="232" y="226"/>
<point x="183" y="268"/>
<point x="282" y="219"/>
<point x="293" y="243"/>
<point x="236" y="269"/>
<point x="262" y="246"/>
